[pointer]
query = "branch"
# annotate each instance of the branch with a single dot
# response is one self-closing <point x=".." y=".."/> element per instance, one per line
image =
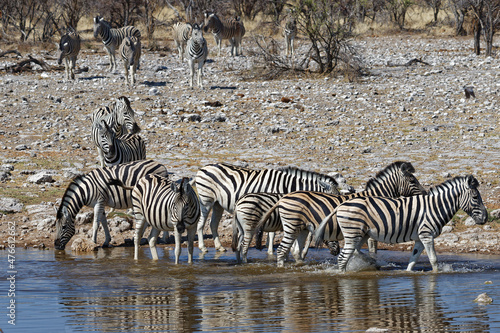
<point x="10" y="51"/>
<point x="24" y="65"/>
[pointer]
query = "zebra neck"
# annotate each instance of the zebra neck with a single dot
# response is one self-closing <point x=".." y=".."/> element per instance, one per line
<point x="380" y="189"/>
<point x="444" y="206"/>
<point x="76" y="197"/>
<point x="106" y="35"/>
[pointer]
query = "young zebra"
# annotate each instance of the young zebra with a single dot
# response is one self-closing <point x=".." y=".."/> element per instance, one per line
<point x="130" y="51"/>
<point x="221" y="185"/>
<point x="289" y="32"/>
<point x="232" y="29"/>
<point x="420" y="218"/>
<point x="112" y="38"/>
<point x="68" y="49"/>
<point x="196" y="53"/>
<point x="92" y="190"/>
<point x="302" y="212"/>
<point x="120" y="117"/>
<point x="182" y="33"/>
<point x="116" y="150"/>
<point x="166" y="206"/>
<point x="249" y="210"/>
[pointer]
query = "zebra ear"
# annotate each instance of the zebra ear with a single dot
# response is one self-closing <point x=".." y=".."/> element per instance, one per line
<point x="174" y="186"/>
<point x="472" y="182"/>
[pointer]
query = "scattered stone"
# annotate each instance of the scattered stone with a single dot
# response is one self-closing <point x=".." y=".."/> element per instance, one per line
<point x="483" y="299"/>
<point x="10" y="205"/>
<point x="83" y="245"/>
<point x="41" y="178"/>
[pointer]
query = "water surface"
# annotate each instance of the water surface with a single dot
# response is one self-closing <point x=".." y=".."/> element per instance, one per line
<point x="107" y="291"/>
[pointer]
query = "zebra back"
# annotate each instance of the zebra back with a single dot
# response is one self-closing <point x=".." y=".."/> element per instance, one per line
<point x="110" y="36"/>
<point x="182" y="32"/>
<point x="93" y="187"/>
<point x="69" y="45"/>
<point x="223" y="29"/>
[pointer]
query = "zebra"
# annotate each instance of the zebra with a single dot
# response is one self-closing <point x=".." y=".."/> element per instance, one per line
<point x="289" y="32"/>
<point x="420" y="218"/>
<point x="232" y="29"/>
<point x="92" y="190"/>
<point x="302" y="212"/>
<point x="182" y="33"/>
<point x="220" y="186"/>
<point x="130" y="147"/>
<point x="196" y="53"/>
<point x="130" y="51"/>
<point x="250" y="208"/>
<point x="120" y="117"/>
<point x="112" y="38"/>
<point x="166" y="206"/>
<point x="68" y="49"/>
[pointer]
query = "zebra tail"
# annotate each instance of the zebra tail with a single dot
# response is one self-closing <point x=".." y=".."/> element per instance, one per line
<point x="117" y="182"/>
<point x="260" y="226"/>
<point x="319" y="234"/>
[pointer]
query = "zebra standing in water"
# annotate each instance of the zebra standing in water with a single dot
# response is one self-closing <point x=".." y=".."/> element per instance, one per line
<point x="249" y="210"/>
<point x="120" y="118"/>
<point x="128" y="148"/>
<point x="92" y="190"/>
<point x="220" y="186"/>
<point x="289" y="32"/>
<point x="232" y="29"/>
<point x="166" y="206"/>
<point x="196" y="53"/>
<point x="112" y="38"/>
<point x="130" y="51"/>
<point x="182" y="33"/>
<point x="302" y="212"/>
<point x="68" y="49"/>
<point x="420" y="218"/>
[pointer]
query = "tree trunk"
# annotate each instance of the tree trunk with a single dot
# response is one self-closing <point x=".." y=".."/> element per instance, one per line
<point x="477" y="37"/>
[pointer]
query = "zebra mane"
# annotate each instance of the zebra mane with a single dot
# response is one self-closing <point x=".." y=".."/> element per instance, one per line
<point x="300" y="173"/>
<point x="73" y="180"/>
<point x="440" y="188"/>
<point x="389" y="170"/>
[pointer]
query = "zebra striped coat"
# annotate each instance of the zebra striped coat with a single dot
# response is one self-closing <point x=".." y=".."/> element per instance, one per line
<point x="182" y="33"/>
<point x="166" y="206"/>
<point x="420" y="218"/>
<point x="130" y="51"/>
<point x="232" y="30"/>
<point x="115" y="150"/>
<point x="69" y="47"/>
<point x="120" y="117"/>
<point x="196" y="53"/>
<point x="92" y="190"/>
<point x="302" y="212"/>
<point x="249" y="210"/>
<point x="221" y="185"/>
<point x="112" y="38"/>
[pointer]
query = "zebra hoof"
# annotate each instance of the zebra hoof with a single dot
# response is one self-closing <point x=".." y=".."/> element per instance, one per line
<point x="203" y="249"/>
<point x="221" y="249"/>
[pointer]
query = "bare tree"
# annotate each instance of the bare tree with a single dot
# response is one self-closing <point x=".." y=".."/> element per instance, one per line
<point x="248" y="8"/>
<point x="398" y="10"/>
<point x="459" y="9"/>
<point x="487" y="15"/>
<point x="435" y="5"/>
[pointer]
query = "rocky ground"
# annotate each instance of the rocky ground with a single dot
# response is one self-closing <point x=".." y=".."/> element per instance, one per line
<point x="416" y="113"/>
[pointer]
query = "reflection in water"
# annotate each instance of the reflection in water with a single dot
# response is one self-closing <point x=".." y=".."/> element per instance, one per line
<point x="109" y="292"/>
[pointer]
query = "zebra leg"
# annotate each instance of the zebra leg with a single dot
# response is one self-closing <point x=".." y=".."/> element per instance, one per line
<point x="300" y="244"/>
<point x="126" y="73"/>
<point x="140" y="226"/>
<point x="245" y="243"/>
<point x="200" y="74"/>
<point x="284" y="247"/>
<point x="352" y="244"/>
<point x="100" y="218"/>
<point x="178" y="241"/>
<point x="428" y="242"/>
<point x="73" y="66"/>
<point x="372" y="245"/>
<point x="133" y="69"/>
<point x="191" y="71"/>
<point x="190" y="235"/>
<point x="152" y="243"/>
<point x="214" y="224"/>
<point x="66" y="68"/>
<point x="204" y="211"/>
<point x="417" y="251"/>
<point x="270" y="242"/>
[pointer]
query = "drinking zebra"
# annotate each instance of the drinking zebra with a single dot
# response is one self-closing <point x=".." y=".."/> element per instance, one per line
<point x="220" y="186"/>
<point x="92" y="190"/>
<point x="69" y="47"/>
<point x="420" y="218"/>
<point x="182" y="33"/>
<point x="302" y="212"/>
<point x="130" y="51"/>
<point x="120" y="117"/>
<point x="289" y="32"/>
<point x="249" y="210"/>
<point x="127" y="148"/>
<point x="112" y="38"/>
<point x="232" y="29"/>
<point x="166" y="206"/>
<point x="196" y="53"/>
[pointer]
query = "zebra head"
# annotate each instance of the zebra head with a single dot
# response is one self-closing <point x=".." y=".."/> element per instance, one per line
<point x="342" y="183"/>
<point x="197" y="33"/>
<point x="99" y="23"/>
<point x="65" y="227"/>
<point x="63" y="49"/>
<point x="125" y="115"/>
<point x="471" y="201"/>
<point x="210" y="19"/>
<point x="106" y="138"/>
<point x="187" y="207"/>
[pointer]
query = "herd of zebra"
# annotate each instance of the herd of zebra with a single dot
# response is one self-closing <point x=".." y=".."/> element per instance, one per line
<point x="304" y="205"/>
<point x="188" y="39"/>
